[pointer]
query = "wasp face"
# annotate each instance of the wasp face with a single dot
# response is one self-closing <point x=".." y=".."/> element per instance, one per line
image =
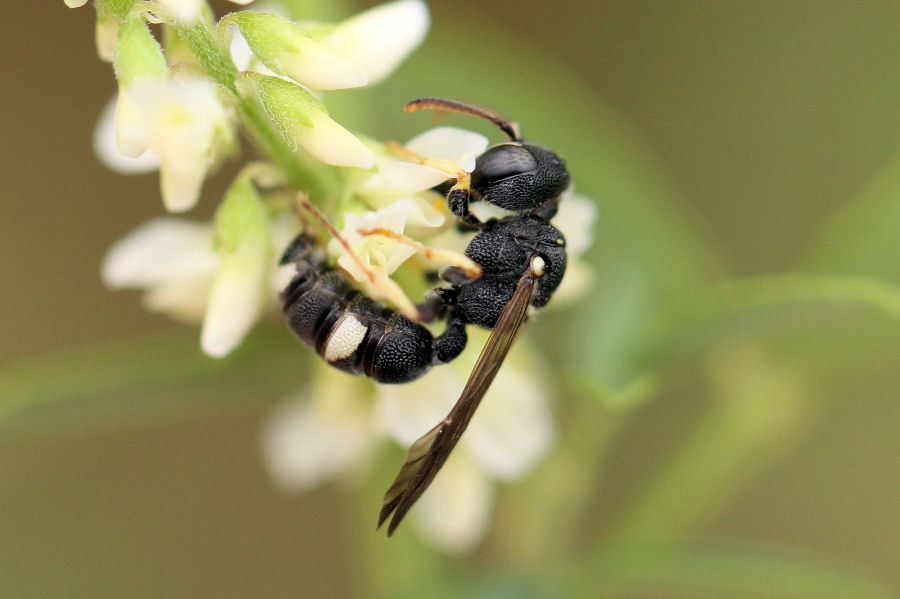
<point x="519" y="176"/>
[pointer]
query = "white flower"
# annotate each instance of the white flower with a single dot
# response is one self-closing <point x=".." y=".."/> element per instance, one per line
<point x="359" y="51"/>
<point x="576" y="218"/>
<point x="186" y="11"/>
<point x="380" y="38"/>
<point x="400" y="192"/>
<point x="303" y="121"/>
<point x="374" y="250"/>
<point x="237" y="297"/>
<point x="396" y="178"/>
<point x="183" y="122"/>
<point x="509" y="433"/>
<point x="323" y="431"/>
<point x="331" y="431"/>
<point x="330" y="143"/>
<point x="172" y="259"/>
<point x="107" y="148"/>
<point x="176" y="263"/>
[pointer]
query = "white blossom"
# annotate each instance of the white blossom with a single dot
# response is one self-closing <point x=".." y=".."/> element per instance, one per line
<point x="374" y="250"/>
<point x="237" y="297"/>
<point x="321" y="432"/>
<point x="182" y="121"/>
<point x="172" y="260"/>
<point x="329" y="431"/>
<point x="175" y="262"/>
<point x="361" y="50"/>
<point x="330" y="143"/>
<point x="576" y="219"/>
<point x="185" y="11"/>
<point x="107" y="148"/>
<point x="380" y="38"/>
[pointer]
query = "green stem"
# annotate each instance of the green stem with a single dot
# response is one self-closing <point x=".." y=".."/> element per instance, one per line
<point x="216" y="60"/>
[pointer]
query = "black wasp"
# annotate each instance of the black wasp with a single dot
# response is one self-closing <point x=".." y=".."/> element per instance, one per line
<point x="522" y="259"/>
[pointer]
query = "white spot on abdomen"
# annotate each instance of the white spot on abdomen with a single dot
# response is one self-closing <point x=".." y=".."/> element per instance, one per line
<point x="345" y="338"/>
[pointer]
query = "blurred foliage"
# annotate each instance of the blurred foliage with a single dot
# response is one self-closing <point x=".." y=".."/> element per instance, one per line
<point x="667" y="319"/>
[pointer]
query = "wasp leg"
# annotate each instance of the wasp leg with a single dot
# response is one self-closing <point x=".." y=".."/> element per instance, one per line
<point x="449" y="344"/>
<point x="433" y="308"/>
<point x="453" y="275"/>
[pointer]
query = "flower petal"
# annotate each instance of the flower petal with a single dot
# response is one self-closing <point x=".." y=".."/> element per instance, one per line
<point x="576" y="217"/>
<point x="514" y="427"/>
<point x="159" y="250"/>
<point x="317" y="434"/>
<point x="318" y="67"/>
<point x="107" y="149"/>
<point x="133" y="132"/>
<point x="387" y="254"/>
<point x="186" y="117"/>
<point x="106" y="33"/>
<point x="237" y="298"/>
<point x="453" y="514"/>
<point x="402" y="178"/>
<point x="380" y="38"/>
<point x="185" y="11"/>
<point x="75" y="3"/>
<point x="332" y="144"/>
<point x="450" y="143"/>
<point x="182" y="299"/>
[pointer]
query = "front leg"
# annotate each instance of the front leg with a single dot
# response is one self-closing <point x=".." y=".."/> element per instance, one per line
<point x="458" y="201"/>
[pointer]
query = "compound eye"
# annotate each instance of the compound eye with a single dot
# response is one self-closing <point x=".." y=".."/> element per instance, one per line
<point x="500" y="162"/>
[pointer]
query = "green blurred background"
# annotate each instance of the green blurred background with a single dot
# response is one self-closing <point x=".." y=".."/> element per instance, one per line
<point x="721" y="140"/>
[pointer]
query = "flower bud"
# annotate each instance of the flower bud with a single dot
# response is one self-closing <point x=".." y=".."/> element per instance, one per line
<point x="243" y="238"/>
<point x="183" y="11"/>
<point x="380" y="38"/>
<point x="284" y="47"/>
<point x="138" y="61"/>
<point x="304" y="122"/>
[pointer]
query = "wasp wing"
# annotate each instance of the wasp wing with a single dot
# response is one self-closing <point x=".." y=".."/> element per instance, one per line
<point x="427" y="455"/>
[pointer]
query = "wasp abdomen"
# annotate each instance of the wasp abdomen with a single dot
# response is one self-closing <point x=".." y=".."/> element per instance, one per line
<point x="351" y="331"/>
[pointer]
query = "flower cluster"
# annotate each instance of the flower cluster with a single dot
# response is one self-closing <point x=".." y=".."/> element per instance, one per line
<point x="186" y="88"/>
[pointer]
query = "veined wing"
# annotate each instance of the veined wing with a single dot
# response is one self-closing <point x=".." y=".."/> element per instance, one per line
<point x="427" y="455"/>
